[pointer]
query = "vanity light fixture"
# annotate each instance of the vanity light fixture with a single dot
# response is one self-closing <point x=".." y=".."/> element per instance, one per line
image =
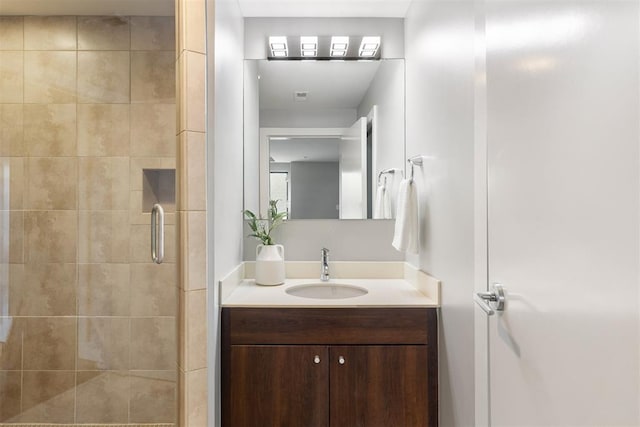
<point x="309" y="46"/>
<point x="278" y="45"/>
<point x="369" y="46"/>
<point x="339" y="45"/>
<point x="323" y="48"/>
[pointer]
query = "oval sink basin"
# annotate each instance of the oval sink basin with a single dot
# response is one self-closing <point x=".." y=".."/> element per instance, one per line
<point x="326" y="291"/>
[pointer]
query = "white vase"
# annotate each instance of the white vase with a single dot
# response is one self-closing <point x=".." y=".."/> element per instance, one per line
<point x="269" y="265"/>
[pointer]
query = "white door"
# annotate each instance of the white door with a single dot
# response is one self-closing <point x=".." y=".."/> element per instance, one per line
<point x="353" y="171"/>
<point x="563" y="216"/>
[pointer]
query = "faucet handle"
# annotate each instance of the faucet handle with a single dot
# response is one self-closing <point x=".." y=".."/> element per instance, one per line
<point x="324" y="251"/>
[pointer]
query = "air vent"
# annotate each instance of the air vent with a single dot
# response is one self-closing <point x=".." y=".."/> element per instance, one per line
<point x="300" y="96"/>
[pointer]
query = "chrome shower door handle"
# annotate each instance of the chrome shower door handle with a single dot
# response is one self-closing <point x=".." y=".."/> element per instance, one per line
<point x="491" y="301"/>
<point x="157" y="234"/>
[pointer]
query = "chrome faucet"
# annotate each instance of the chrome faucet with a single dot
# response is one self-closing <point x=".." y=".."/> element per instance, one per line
<point x="324" y="265"/>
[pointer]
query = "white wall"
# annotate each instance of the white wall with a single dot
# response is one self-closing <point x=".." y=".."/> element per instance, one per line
<point x="440" y="124"/>
<point x="348" y="240"/>
<point x="257" y="30"/>
<point x="324" y="118"/>
<point x="227" y="198"/>
<point x="314" y="190"/>
<point x="387" y="92"/>
<point x="224" y="166"/>
<point x="251" y="136"/>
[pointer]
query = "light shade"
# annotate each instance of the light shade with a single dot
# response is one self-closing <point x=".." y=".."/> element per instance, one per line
<point x="369" y="46"/>
<point x="278" y="46"/>
<point x="339" y="45"/>
<point x="309" y="46"/>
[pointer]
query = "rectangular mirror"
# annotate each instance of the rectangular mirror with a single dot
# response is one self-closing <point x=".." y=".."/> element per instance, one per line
<point x="324" y="138"/>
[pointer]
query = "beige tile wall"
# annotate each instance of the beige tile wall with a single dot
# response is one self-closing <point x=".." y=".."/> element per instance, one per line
<point x="191" y="158"/>
<point x="85" y="104"/>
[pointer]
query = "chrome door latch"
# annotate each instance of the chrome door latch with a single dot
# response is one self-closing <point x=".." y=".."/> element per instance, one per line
<point x="491" y="301"/>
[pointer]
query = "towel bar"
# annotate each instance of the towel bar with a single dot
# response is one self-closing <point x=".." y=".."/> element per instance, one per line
<point x="388" y="171"/>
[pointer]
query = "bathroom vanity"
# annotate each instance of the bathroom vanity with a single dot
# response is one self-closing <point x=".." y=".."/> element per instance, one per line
<point x="303" y="362"/>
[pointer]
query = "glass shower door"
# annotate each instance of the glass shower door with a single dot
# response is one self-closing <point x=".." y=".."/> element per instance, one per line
<point x="87" y="147"/>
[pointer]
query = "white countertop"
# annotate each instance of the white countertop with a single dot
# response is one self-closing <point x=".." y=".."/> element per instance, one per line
<point x="382" y="293"/>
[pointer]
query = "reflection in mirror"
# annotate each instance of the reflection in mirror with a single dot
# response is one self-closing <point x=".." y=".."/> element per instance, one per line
<point x="313" y="164"/>
<point x="319" y="133"/>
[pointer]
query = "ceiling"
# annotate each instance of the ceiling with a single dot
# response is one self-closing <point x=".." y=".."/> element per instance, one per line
<point x="330" y="84"/>
<point x="325" y="8"/>
<point x="87" y="7"/>
<point x="305" y="150"/>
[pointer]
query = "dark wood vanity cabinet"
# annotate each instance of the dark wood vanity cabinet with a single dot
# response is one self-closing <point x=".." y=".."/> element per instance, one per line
<point x="337" y="367"/>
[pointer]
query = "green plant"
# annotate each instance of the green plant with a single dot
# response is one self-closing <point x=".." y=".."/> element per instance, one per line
<point x="261" y="227"/>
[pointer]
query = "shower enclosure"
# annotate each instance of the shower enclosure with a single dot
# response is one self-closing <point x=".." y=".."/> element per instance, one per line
<point x="87" y="147"/>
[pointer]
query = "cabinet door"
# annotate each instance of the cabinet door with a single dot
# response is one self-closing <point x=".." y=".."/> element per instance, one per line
<point x="278" y="386"/>
<point x="376" y="386"/>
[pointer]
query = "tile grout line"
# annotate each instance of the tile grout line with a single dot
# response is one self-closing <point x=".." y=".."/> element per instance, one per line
<point x="24" y="179"/>
<point x="129" y="383"/>
<point x="77" y="346"/>
<point x="21" y="370"/>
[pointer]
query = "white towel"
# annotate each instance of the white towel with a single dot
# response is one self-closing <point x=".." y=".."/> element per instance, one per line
<point x="405" y="238"/>
<point x="379" y="207"/>
<point x="382" y="208"/>
<point x="386" y="204"/>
